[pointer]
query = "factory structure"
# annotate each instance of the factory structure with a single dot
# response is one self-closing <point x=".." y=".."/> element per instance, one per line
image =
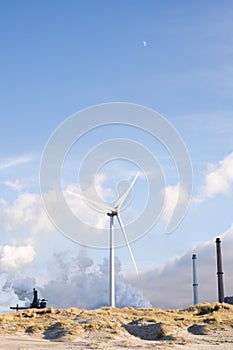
<point x="219" y="271"/>
<point x="35" y="304"/>
<point x="220" y="280"/>
<point x="195" y="284"/>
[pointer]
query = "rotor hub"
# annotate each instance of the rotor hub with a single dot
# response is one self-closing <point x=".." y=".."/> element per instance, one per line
<point x="112" y="213"/>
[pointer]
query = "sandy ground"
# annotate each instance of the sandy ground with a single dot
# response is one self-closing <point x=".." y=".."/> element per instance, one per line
<point x="205" y="327"/>
<point x="220" y="340"/>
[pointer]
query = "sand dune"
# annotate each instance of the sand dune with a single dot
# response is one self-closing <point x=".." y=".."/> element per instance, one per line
<point x="199" y="327"/>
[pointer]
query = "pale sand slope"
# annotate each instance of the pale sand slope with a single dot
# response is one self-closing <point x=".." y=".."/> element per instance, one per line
<point x="206" y="326"/>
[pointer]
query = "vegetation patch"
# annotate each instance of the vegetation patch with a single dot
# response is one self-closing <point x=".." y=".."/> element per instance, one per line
<point x="147" y="323"/>
<point x="206" y="308"/>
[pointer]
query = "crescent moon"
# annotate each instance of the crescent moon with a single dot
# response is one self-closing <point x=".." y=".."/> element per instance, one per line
<point x="144" y="43"/>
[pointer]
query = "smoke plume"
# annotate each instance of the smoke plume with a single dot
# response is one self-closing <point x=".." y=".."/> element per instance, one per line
<point x="82" y="284"/>
<point x="75" y="281"/>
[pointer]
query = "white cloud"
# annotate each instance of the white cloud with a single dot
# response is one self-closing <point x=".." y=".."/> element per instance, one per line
<point x="11" y="162"/>
<point x="171" y="197"/>
<point x="218" y="179"/>
<point x="14" y="185"/>
<point x="26" y="212"/>
<point x="12" y="257"/>
<point x="85" y="212"/>
<point x="170" y="285"/>
<point x="172" y="194"/>
<point x="104" y="192"/>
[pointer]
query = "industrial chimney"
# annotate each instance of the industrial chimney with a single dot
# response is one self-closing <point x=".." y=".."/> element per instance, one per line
<point x="195" y="284"/>
<point x="219" y="271"/>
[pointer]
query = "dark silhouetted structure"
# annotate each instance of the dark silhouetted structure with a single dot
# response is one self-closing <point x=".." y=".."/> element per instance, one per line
<point x="219" y="271"/>
<point x="36" y="303"/>
<point x="228" y="300"/>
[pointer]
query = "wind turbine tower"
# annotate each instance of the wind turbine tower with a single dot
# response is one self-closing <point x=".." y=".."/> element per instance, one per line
<point x="113" y="212"/>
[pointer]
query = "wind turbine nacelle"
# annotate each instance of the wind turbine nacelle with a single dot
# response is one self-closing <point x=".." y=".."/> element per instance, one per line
<point x="113" y="213"/>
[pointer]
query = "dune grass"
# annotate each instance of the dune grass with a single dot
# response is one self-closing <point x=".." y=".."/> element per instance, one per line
<point x="57" y="323"/>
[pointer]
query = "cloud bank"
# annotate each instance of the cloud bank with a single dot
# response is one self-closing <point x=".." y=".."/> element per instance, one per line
<point x="170" y="285"/>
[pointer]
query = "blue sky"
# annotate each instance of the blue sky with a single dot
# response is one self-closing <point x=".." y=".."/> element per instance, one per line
<point x="59" y="57"/>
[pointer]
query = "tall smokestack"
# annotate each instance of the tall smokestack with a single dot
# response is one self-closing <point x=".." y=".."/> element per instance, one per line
<point x="219" y="271"/>
<point x="195" y="284"/>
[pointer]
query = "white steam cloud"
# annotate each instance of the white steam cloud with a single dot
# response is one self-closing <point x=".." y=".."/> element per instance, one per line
<point x="82" y="284"/>
<point x="75" y="281"/>
<point x="22" y="287"/>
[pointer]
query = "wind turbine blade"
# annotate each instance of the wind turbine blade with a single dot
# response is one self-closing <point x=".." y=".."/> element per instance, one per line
<point x="101" y="206"/>
<point x="127" y="242"/>
<point x="121" y="200"/>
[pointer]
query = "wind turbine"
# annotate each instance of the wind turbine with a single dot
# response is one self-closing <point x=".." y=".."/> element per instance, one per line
<point x="112" y="212"/>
